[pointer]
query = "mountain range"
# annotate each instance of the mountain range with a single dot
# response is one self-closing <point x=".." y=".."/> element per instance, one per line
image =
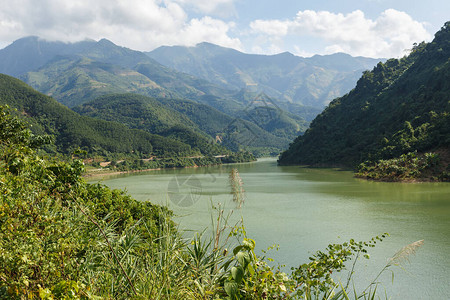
<point x="183" y="72"/>
<point x="313" y="81"/>
<point x="250" y="116"/>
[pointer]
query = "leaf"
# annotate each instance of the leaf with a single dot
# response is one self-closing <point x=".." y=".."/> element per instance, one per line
<point x="237" y="273"/>
<point x="243" y="258"/>
<point x="231" y="288"/>
<point x="249" y="243"/>
<point x="237" y="249"/>
<point x="226" y="265"/>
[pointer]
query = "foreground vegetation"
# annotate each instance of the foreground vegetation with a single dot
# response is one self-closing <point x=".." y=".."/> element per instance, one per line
<point x="61" y="238"/>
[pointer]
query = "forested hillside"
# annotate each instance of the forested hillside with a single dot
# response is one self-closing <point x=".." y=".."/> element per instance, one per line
<point x="400" y="107"/>
<point x="206" y="129"/>
<point x="72" y="131"/>
<point x="148" y="114"/>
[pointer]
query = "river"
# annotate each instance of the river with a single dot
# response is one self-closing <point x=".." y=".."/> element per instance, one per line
<point x="303" y="210"/>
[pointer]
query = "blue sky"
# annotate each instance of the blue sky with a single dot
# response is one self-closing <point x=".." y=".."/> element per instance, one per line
<point x="373" y="28"/>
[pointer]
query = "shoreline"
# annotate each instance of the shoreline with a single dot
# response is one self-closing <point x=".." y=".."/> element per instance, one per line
<point x="94" y="174"/>
<point x="112" y="173"/>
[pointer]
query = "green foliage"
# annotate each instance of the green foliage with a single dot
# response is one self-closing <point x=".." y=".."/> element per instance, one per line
<point x="400" y="106"/>
<point x="46" y="240"/>
<point x="408" y="166"/>
<point x="315" y="279"/>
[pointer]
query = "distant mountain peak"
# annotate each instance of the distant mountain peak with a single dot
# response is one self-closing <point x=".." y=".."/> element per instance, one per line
<point x="208" y="44"/>
<point x="107" y="42"/>
<point x="285" y="54"/>
<point x="337" y="54"/>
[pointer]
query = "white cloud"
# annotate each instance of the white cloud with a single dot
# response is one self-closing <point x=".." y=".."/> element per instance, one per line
<point x="138" y="24"/>
<point x="388" y="36"/>
<point x="223" y="8"/>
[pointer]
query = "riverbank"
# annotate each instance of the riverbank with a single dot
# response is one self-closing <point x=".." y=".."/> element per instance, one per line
<point x="101" y="173"/>
<point x="143" y="165"/>
<point x="107" y="172"/>
<point x="409" y="167"/>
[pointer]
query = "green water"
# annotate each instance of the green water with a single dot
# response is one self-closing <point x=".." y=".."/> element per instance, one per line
<point x="303" y="210"/>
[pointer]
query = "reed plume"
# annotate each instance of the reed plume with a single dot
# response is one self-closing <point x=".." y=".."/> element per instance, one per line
<point x="237" y="187"/>
<point x="403" y="254"/>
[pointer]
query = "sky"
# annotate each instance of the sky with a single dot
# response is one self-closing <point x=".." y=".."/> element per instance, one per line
<point x="371" y="28"/>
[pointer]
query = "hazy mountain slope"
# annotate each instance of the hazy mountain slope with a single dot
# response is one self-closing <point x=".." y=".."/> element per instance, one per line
<point x="74" y="80"/>
<point x="308" y="81"/>
<point x="30" y="53"/>
<point x="233" y="131"/>
<point x="400" y="106"/>
<point x="35" y="60"/>
<point x="71" y="130"/>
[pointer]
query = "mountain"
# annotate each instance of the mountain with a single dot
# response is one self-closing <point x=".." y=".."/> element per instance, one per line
<point x="77" y="73"/>
<point x="74" y="73"/>
<point x="148" y="114"/>
<point x="401" y="106"/>
<point x="31" y="53"/>
<point x="71" y="130"/>
<point x="203" y="71"/>
<point x="196" y="124"/>
<point x="308" y="81"/>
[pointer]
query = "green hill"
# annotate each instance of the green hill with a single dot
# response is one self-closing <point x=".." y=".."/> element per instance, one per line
<point x="72" y="131"/>
<point x="141" y="112"/>
<point x="401" y="106"/>
<point x="198" y="125"/>
<point x="74" y="73"/>
<point x="235" y="133"/>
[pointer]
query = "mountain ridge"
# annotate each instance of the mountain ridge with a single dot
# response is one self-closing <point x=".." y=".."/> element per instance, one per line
<point x="233" y="69"/>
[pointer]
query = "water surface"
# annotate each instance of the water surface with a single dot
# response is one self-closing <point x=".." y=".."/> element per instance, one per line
<point x="303" y="210"/>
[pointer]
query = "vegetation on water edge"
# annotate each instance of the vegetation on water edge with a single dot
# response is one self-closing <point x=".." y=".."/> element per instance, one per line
<point x="410" y="166"/>
<point x="61" y="238"/>
<point x="175" y="162"/>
